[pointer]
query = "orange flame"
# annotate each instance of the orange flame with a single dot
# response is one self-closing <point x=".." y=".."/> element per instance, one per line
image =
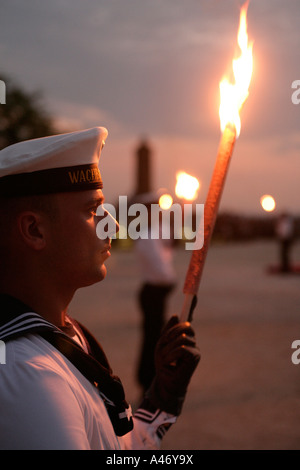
<point x="165" y="201"/>
<point x="234" y="95"/>
<point x="186" y="186"/>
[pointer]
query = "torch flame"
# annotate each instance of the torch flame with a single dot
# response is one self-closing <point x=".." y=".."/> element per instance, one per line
<point x="234" y="95"/>
<point x="165" y="201"/>
<point x="186" y="186"/>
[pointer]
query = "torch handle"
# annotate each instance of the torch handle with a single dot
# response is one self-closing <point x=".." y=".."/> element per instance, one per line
<point x="190" y="302"/>
<point x="194" y="272"/>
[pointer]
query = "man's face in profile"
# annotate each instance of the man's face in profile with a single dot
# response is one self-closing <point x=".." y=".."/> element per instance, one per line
<point x="78" y="253"/>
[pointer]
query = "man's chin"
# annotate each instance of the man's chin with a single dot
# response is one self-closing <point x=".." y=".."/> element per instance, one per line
<point x="98" y="276"/>
<point x="102" y="273"/>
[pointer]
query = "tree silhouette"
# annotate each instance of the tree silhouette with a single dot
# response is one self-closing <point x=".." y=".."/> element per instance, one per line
<point x="23" y="116"/>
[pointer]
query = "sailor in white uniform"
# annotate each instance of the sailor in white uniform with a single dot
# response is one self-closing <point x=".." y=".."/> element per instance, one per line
<point x="57" y="390"/>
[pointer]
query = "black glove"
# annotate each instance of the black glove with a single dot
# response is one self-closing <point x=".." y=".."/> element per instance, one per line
<point x="176" y="358"/>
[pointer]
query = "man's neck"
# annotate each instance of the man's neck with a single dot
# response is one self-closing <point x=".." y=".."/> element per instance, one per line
<point x="50" y="305"/>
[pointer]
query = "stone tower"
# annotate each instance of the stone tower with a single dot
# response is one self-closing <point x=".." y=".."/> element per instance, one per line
<point x="143" y="169"/>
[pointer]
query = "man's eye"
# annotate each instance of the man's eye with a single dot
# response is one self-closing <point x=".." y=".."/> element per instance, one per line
<point x="93" y="210"/>
<point x="100" y="211"/>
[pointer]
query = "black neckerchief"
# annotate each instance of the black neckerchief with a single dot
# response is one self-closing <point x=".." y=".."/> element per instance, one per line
<point x="17" y="319"/>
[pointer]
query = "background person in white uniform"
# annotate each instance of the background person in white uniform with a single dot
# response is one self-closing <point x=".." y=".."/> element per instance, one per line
<point x="156" y="271"/>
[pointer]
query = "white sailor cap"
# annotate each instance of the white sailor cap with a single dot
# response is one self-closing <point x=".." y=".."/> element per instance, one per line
<point x="59" y="163"/>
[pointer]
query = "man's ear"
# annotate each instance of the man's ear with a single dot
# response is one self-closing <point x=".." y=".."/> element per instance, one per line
<point x="32" y="229"/>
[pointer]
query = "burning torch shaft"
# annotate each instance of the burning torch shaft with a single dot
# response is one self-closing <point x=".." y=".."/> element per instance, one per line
<point x="195" y="269"/>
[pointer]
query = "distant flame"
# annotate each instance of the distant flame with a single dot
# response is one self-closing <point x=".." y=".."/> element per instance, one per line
<point x="234" y="95"/>
<point x="165" y="201"/>
<point x="187" y="186"/>
<point x="267" y="203"/>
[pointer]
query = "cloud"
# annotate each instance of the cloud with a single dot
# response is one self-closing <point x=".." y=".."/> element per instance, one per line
<point x="152" y="68"/>
<point x="70" y="116"/>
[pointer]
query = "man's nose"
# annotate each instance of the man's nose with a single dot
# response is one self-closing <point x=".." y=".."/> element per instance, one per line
<point x="112" y="222"/>
<point x="107" y="226"/>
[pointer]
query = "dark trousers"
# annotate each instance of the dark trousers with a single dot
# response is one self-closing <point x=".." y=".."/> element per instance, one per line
<point x="152" y="301"/>
<point x="285" y="248"/>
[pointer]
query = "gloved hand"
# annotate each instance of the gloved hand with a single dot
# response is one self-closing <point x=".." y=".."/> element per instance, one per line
<point x="176" y="358"/>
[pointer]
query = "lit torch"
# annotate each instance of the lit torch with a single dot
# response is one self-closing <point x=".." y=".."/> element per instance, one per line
<point x="232" y="98"/>
<point x="165" y="201"/>
<point x="187" y="186"/>
<point x="186" y="189"/>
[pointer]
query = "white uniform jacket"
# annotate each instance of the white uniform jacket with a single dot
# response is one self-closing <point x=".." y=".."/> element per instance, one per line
<point x="46" y="403"/>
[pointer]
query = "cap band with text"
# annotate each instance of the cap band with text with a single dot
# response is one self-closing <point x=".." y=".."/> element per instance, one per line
<point x="53" y="180"/>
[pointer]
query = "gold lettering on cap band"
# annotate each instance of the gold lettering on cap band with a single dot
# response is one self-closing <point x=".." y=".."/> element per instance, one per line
<point x="75" y="178"/>
<point x="89" y="175"/>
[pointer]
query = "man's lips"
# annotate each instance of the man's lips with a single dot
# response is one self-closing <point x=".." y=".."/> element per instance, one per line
<point x="106" y="249"/>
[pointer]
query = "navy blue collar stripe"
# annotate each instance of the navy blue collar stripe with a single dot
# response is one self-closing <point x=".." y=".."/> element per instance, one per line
<point x="23" y="323"/>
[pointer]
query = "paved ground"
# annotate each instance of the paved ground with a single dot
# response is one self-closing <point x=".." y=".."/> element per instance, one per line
<point x="246" y="392"/>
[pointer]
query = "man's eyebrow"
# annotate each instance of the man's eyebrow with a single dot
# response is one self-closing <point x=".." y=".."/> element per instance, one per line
<point x="96" y="201"/>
